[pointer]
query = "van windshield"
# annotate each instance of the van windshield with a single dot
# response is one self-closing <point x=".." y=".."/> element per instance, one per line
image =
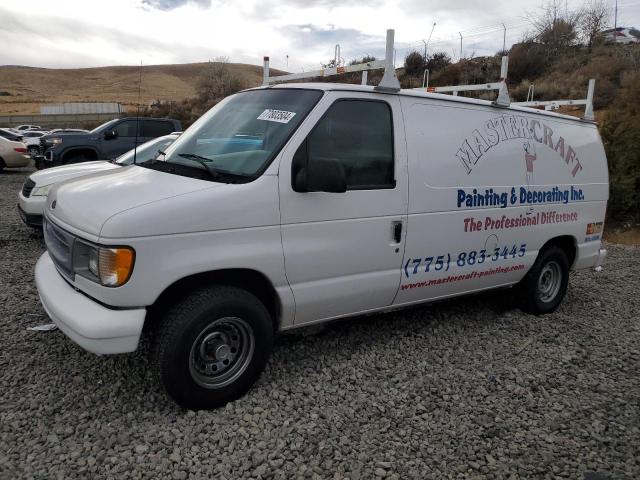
<point x="240" y="136"/>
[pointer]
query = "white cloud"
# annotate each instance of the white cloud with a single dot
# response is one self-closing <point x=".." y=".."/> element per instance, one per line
<point x="93" y="33"/>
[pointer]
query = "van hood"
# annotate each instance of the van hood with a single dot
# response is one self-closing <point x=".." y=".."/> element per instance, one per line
<point x="86" y="203"/>
<point x="67" y="172"/>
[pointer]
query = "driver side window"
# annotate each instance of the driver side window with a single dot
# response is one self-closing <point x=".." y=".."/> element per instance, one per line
<point x="126" y="128"/>
<point x="359" y="134"/>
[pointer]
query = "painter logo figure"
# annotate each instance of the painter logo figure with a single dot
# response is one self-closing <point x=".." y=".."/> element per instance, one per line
<point x="530" y="156"/>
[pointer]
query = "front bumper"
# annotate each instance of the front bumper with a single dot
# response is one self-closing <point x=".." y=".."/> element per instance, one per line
<point x="31" y="209"/>
<point x="95" y="328"/>
<point x="33" y="221"/>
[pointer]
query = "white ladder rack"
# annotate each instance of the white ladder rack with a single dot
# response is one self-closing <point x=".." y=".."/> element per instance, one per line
<point x="389" y="82"/>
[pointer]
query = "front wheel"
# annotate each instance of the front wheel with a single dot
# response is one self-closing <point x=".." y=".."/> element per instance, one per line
<point x="212" y="346"/>
<point x="545" y="285"/>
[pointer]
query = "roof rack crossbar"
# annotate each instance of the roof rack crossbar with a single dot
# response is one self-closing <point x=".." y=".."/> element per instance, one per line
<point x="500" y="86"/>
<point x="555" y="104"/>
<point x="387" y="83"/>
<point x="325" y="72"/>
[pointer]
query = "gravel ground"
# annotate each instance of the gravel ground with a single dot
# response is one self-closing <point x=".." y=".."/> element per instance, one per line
<point x="471" y="388"/>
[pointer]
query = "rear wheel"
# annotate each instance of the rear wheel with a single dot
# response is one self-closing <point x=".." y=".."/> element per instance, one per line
<point x="545" y="285"/>
<point x="212" y="346"/>
<point x="2" y="164"/>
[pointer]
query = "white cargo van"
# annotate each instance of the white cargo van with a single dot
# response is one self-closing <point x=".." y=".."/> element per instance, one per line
<point x="302" y="203"/>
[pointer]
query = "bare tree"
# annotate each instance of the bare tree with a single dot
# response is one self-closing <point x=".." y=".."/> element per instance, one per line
<point x="555" y="27"/>
<point x="596" y="15"/>
<point x="216" y="81"/>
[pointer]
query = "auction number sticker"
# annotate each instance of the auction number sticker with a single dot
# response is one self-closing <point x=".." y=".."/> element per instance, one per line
<point x="280" y="116"/>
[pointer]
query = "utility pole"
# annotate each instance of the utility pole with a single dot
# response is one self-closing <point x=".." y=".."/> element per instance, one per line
<point x="287" y="61"/>
<point x="426" y="45"/>
<point x="425" y="51"/>
<point x="460" y="33"/>
<point x="504" y="38"/>
<point x="615" y="24"/>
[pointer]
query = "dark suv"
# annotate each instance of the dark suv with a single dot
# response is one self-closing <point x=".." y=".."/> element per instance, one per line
<point x="105" y="142"/>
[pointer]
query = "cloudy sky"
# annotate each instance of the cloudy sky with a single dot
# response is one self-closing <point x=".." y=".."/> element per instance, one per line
<point x="83" y="33"/>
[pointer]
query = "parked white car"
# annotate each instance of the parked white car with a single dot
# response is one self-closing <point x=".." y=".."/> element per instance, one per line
<point x="302" y="203"/>
<point x="24" y="128"/>
<point x="13" y="154"/>
<point x="622" y="35"/>
<point x="31" y="139"/>
<point x="32" y="196"/>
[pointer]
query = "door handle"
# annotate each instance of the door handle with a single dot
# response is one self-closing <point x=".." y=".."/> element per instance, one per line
<point x="396" y="227"/>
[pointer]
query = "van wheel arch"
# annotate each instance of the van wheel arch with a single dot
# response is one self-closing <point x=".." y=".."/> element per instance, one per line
<point x="252" y="281"/>
<point x="88" y="153"/>
<point x="567" y="244"/>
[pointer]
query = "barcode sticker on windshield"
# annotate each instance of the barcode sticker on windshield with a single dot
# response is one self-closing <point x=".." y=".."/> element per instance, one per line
<point x="280" y="116"/>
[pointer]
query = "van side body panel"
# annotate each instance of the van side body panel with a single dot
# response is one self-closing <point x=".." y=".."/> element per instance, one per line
<point x="488" y="187"/>
<point x="340" y="254"/>
<point x="215" y="228"/>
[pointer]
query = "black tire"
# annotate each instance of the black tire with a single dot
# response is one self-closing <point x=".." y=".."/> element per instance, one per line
<point x="2" y="164"/>
<point x="201" y="332"/>
<point x="545" y="285"/>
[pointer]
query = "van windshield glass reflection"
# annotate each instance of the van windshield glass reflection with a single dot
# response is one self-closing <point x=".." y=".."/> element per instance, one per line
<point x="240" y="136"/>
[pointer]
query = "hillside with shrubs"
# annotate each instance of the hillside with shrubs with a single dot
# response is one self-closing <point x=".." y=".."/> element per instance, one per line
<point x="558" y="57"/>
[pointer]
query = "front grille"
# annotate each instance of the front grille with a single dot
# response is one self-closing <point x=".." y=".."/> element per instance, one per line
<point x="43" y="146"/>
<point x="28" y="187"/>
<point x="59" y="245"/>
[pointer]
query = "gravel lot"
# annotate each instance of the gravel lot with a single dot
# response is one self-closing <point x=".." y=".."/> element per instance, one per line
<point x="471" y="388"/>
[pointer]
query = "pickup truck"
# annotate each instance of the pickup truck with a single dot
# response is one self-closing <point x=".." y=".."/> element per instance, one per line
<point x="106" y="142"/>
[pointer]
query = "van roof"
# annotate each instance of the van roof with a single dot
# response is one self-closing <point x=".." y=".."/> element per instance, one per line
<point x="420" y="94"/>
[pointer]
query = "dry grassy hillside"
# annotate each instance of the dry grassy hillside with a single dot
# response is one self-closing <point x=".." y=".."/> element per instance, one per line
<point x="30" y="87"/>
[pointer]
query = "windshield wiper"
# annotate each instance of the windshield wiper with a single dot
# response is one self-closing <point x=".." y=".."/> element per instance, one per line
<point x="193" y="156"/>
<point x="216" y="174"/>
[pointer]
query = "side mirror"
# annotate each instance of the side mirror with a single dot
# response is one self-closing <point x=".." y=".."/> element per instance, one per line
<point x="318" y="174"/>
<point x="110" y="134"/>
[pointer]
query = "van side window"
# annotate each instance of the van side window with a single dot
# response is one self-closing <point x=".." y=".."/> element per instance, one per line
<point x="359" y="134"/>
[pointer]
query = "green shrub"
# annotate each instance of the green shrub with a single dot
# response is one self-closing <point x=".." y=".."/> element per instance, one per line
<point x="414" y="64"/>
<point x="621" y="136"/>
<point x="527" y="60"/>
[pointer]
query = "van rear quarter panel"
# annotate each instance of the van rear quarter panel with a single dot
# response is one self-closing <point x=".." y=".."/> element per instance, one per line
<point x="482" y="178"/>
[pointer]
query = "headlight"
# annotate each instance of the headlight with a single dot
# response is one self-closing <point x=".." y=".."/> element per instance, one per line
<point x="109" y="266"/>
<point x="55" y="140"/>
<point x="41" y="191"/>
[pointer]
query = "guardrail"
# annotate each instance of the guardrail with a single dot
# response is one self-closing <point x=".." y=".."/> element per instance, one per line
<point x="78" y="120"/>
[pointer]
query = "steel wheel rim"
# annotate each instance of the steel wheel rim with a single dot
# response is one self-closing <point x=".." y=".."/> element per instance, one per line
<point x="549" y="282"/>
<point x="221" y="352"/>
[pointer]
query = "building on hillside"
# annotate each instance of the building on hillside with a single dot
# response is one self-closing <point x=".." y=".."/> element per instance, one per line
<point x="79" y="108"/>
<point x="622" y="35"/>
